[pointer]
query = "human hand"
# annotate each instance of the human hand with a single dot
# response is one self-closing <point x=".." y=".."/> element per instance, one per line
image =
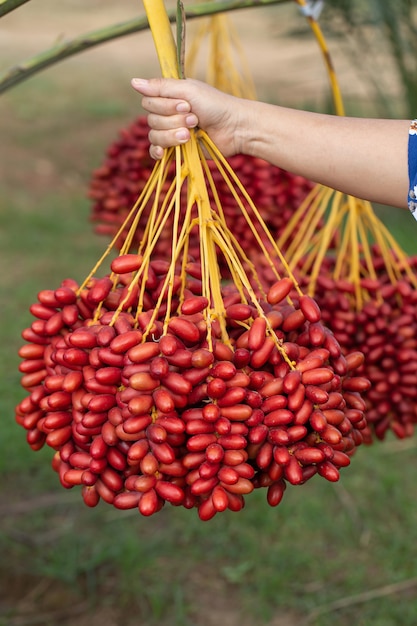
<point x="175" y="106"/>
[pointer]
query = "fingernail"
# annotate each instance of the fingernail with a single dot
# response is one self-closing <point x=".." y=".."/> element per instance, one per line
<point x="191" y="120"/>
<point x="182" y="134"/>
<point x="139" y="81"/>
<point x="183" y="107"/>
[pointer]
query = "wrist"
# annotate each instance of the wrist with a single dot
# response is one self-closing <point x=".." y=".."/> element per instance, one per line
<point x="246" y="130"/>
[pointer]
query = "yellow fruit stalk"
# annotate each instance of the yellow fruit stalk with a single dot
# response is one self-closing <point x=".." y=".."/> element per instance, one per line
<point x="351" y="227"/>
<point x="194" y="179"/>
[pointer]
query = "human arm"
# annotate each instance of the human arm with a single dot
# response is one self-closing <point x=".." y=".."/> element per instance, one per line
<point x="365" y="158"/>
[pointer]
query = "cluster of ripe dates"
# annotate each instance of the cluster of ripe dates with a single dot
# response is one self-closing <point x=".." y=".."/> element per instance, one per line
<point x="143" y="408"/>
<point x="385" y="330"/>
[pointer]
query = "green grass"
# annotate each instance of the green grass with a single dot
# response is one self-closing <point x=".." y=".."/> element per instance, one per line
<point x="323" y="543"/>
<point x="311" y="550"/>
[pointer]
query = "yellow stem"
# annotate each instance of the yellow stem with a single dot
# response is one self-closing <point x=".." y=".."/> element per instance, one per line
<point x="203" y="25"/>
<point x="366" y="249"/>
<point x="245" y="282"/>
<point x="400" y="254"/>
<point x="146" y="193"/>
<point x="163" y="37"/>
<point x="298" y="215"/>
<point x="342" y="250"/>
<point x="211" y="277"/>
<point x="327" y="233"/>
<point x="337" y="96"/>
<point x="175" y="242"/>
<point x="308" y="226"/>
<point x="219" y="214"/>
<point x="354" y="274"/>
<point x="224" y="168"/>
<point x="155" y="217"/>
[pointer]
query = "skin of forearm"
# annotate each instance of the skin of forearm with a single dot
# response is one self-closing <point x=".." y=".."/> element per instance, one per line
<point x="365" y="158"/>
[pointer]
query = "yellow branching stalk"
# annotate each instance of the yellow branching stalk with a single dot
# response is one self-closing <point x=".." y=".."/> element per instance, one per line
<point x="193" y="180"/>
<point x="226" y="66"/>
<point x="351" y="226"/>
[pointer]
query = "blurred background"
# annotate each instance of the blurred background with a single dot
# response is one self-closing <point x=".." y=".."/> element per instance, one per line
<point x="340" y="553"/>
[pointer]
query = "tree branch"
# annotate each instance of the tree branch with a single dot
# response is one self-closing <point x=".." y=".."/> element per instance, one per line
<point x="9" y="5"/>
<point x="25" y="69"/>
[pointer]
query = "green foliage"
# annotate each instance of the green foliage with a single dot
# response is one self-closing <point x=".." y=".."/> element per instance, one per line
<point x="376" y="33"/>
